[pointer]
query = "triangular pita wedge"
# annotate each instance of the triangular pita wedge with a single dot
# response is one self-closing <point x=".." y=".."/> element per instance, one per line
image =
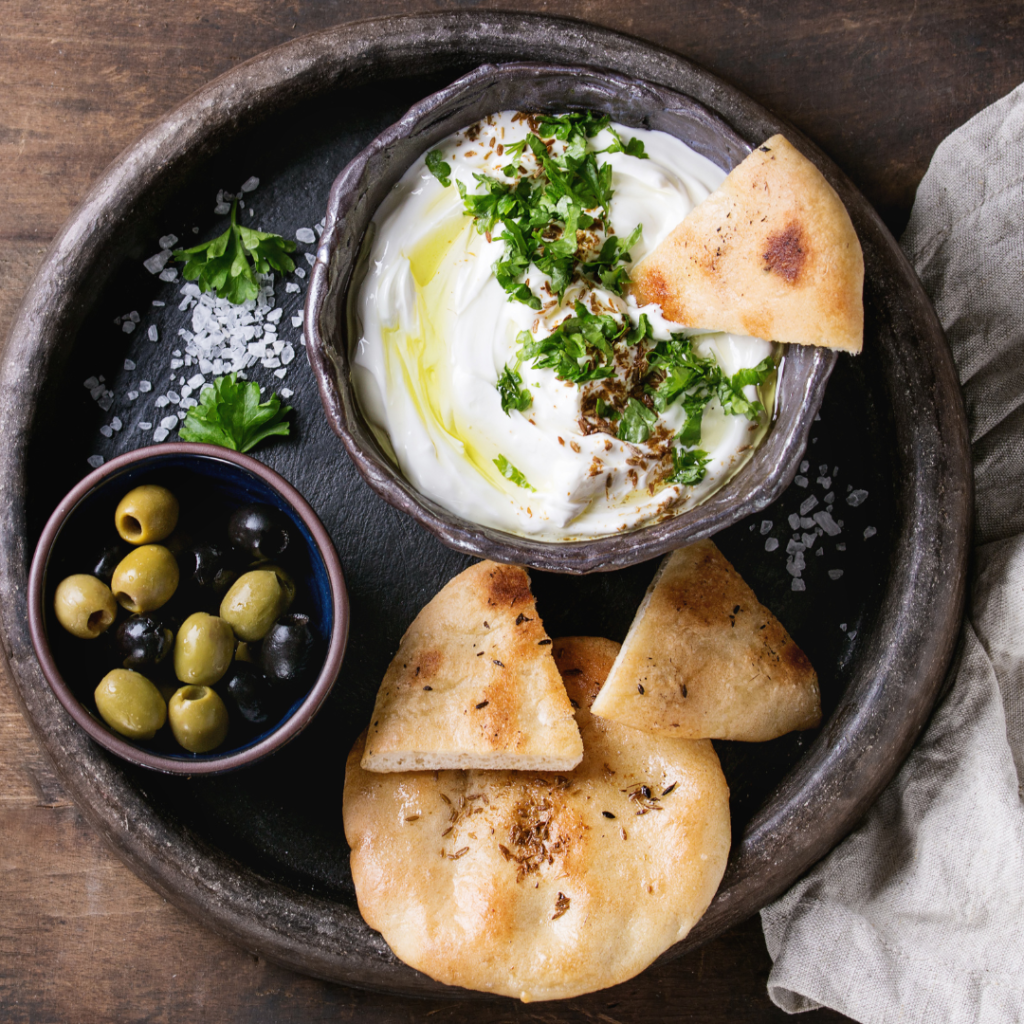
<point x="474" y="685"/>
<point x="543" y="885"/>
<point x="703" y="658"/>
<point x="772" y="253"/>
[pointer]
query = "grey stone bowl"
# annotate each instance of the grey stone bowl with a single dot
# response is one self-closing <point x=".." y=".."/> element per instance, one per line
<point x="340" y="266"/>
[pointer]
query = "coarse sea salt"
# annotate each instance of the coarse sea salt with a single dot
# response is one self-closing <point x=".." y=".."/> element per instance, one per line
<point x="305" y="235"/>
<point x="95" y="461"/>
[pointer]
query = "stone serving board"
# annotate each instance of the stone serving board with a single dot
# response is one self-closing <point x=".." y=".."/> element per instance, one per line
<point x="259" y="855"/>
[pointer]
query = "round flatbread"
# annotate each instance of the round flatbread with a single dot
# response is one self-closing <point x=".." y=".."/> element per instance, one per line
<point x="543" y="885"/>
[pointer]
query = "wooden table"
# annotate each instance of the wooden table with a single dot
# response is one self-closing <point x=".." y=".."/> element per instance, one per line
<point x="877" y="84"/>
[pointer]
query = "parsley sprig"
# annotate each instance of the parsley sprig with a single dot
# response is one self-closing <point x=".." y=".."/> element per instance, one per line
<point x="231" y="415"/>
<point x="229" y="263"/>
<point x="509" y="472"/>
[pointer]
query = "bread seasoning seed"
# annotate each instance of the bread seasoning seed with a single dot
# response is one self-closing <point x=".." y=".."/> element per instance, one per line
<point x="561" y="906"/>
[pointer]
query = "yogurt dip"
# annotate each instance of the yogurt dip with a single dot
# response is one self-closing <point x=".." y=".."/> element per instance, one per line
<point x="437" y="331"/>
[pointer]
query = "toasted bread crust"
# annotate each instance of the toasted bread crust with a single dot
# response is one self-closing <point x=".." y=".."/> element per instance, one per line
<point x="771" y="254"/>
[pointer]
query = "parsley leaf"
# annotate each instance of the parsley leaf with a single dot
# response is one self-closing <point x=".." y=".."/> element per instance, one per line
<point x="688" y="467"/>
<point x="730" y="389"/>
<point x="222" y="264"/>
<point x="509" y="472"/>
<point x="605" y="411"/>
<point x="615" y="250"/>
<point x="231" y="415"/>
<point x="637" y="422"/>
<point x="579" y="349"/>
<point x="513" y="394"/>
<point x="438" y="168"/>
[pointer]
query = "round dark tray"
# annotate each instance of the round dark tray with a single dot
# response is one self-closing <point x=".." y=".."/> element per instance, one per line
<point x="260" y="855"/>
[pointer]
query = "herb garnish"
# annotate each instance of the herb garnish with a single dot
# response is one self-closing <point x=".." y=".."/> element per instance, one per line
<point x="222" y="265"/>
<point x="513" y="394"/>
<point x="438" y="168"/>
<point x="509" y="472"/>
<point x="231" y="415"/>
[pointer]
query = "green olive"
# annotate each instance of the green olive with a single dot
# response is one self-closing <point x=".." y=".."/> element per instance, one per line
<point x="243" y="652"/>
<point x="199" y="719"/>
<point x="145" y="579"/>
<point x="203" y="649"/>
<point x="130" y="704"/>
<point x="286" y="582"/>
<point x="253" y="603"/>
<point x="84" y="605"/>
<point x="146" y="514"/>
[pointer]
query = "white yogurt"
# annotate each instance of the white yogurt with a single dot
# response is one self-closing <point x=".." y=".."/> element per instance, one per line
<point x="436" y="330"/>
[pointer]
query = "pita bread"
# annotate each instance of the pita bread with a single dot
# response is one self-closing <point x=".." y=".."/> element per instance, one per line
<point x="772" y="254"/>
<point x="474" y="685"/>
<point x="543" y="886"/>
<point x="704" y="659"/>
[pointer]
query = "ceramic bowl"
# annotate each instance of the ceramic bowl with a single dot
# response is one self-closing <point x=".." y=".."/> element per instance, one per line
<point x="83" y="524"/>
<point x="340" y="267"/>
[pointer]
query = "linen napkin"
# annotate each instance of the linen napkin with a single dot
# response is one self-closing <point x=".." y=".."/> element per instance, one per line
<point x="919" y="914"/>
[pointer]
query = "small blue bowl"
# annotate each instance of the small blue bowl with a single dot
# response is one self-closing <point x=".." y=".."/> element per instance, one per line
<point x="84" y="521"/>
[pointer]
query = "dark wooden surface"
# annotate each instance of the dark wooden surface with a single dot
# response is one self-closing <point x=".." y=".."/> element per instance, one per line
<point x="876" y="84"/>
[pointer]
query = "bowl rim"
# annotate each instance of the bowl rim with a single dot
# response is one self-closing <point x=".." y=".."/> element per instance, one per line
<point x="208" y="764"/>
<point x="721" y="509"/>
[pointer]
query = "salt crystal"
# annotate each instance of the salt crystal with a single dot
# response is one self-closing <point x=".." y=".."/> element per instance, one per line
<point x="849" y="487"/>
<point x="804" y="466"/>
<point x="170" y="274"/>
<point x="771" y="544"/>
<point x="274" y="316"/>
<point x="220" y="209"/>
<point x="107" y="431"/>
<point x="823" y="468"/>
<point x="95" y="461"/>
<point x="824" y="481"/>
<point x="869" y="532"/>
<point x="305" y="235"/>
<point x="287" y="392"/>
<point x="128" y="326"/>
<point x="794" y="547"/>
<point x="835" y="471"/>
<point x="162" y="401"/>
<point x="251" y="211"/>
<point x="182" y="414"/>
<point x="181" y="381"/>
<point x="116" y="423"/>
<point x="160" y="433"/>
<point x="809" y="539"/>
<point x="852" y="634"/>
<point x="173" y="397"/>
<point x="195" y="231"/>
<point x="801" y="481"/>
<point x="132" y="395"/>
<point x="820" y="551"/>
<point x="842" y="626"/>
<point x="145" y="386"/>
<point x="144" y="425"/>
<point x="106" y="401"/>
<point x="271" y="362"/>
<point x="319" y="229"/>
<point x="279" y="374"/>
<point x="299" y="272"/>
<point x="152" y="333"/>
<point x="829" y="498"/>
<point x="157" y="263"/>
<point x="291" y="287"/>
<point x="288" y="354"/>
<point x="766" y="526"/>
<point x="794" y="522"/>
<point x="129" y="364"/>
<point x="134" y="316"/>
<point x="196" y="382"/>
<point x="176" y="352"/>
<point x="841" y="547"/>
<point x="752" y="527"/>
<point x="310" y="258"/>
<point x="797" y="585"/>
<point x="91" y="382"/>
<point x="250" y="184"/>
<point x="169" y="422"/>
<point x="188" y="403"/>
<point x="835" y="574"/>
<point x="827" y="523"/>
<point x="177" y="364"/>
<point x="158" y="304"/>
<point x="808" y="504"/>
<point x="856" y="498"/>
<point x="185" y="391"/>
<point x="168" y="241"/>
<point x="806" y="523"/>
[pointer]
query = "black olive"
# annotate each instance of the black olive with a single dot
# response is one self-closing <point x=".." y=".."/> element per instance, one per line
<point x="262" y="531"/>
<point x="142" y="640"/>
<point x="207" y="567"/>
<point x="288" y="653"/>
<point x="251" y="694"/>
<point x="107" y="560"/>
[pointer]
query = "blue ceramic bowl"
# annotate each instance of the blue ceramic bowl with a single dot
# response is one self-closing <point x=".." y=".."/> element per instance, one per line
<point x="222" y="481"/>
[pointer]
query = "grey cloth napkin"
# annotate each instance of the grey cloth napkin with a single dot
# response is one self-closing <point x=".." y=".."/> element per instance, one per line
<point x="919" y="914"/>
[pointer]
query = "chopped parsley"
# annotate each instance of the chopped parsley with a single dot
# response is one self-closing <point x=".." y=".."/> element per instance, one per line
<point x="513" y="394"/>
<point x="228" y="264"/>
<point x="231" y="415"/>
<point x="509" y="472"/>
<point x="438" y="168"/>
<point x="637" y="422"/>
